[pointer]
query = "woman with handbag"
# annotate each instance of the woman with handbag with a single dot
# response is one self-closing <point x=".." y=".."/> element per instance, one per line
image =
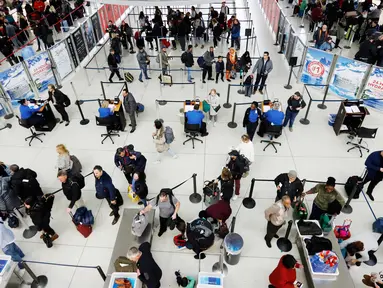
<point x="60" y="101"/>
<point x="213" y="101"/>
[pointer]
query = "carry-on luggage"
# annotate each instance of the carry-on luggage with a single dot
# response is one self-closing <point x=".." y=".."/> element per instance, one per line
<point x="167" y="79"/>
<point x="343" y="231"/>
<point x="139" y="224"/>
<point x="128" y="77"/>
<point x="210" y="193"/>
<point x="353" y="181"/>
<point x="76" y="167"/>
<point x="132" y="196"/>
<point x="85" y="230"/>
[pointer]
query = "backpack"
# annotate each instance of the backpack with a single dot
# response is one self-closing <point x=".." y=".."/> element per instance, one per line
<point x="13" y="221"/>
<point x="78" y="179"/>
<point x="184" y="57"/>
<point x="377" y="226"/>
<point x="201" y="62"/>
<point x="76" y="167"/>
<point x="179" y="241"/>
<point x="139" y="224"/>
<point x="169" y="135"/>
<point x="140" y="107"/>
<point x="201" y="228"/>
<point x="83" y="216"/>
<point x="245" y="162"/>
<point x="317" y="244"/>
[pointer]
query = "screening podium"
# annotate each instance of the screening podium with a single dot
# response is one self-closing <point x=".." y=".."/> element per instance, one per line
<point x="50" y="119"/>
<point x="350" y="116"/>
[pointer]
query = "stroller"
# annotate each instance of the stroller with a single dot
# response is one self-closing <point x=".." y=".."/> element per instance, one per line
<point x="210" y="193"/>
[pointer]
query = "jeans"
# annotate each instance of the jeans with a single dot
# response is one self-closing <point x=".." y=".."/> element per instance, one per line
<point x="235" y="42"/>
<point x="15" y="252"/>
<point x="189" y="73"/>
<point x="145" y="202"/>
<point x="170" y="151"/>
<point x="144" y="68"/>
<point x="248" y="91"/>
<point x="290" y="116"/>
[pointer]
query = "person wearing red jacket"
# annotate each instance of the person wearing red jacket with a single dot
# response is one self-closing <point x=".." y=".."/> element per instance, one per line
<point x="219" y="211"/>
<point x="284" y="276"/>
<point x="316" y="16"/>
<point x="229" y="26"/>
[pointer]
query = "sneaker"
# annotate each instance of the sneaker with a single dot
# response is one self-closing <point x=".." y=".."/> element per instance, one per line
<point x="200" y="256"/>
<point x="130" y="125"/>
<point x="157" y="162"/>
<point x="291" y="129"/>
<point x="228" y="80"/>
<point x="175" y="156"/>
<point x="211" y="79"/>
<point x="67" y="123"/>
<point x="160" y="233"/>
<point x="111" y="214"/>
<point x="148" y="78"/>
<point x="54" y="237"/>
<point x="215" y="124"/>
<point x="203" y="81"/>
<point x="235" y="197"/>
<point x="261" y="92"/>
<point x="121" y="79"/>
<point x="110" y="80"/>
<point x="115" y="220"/>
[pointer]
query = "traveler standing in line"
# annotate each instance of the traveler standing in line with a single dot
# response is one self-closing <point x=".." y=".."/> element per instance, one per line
<point x="374" y="166"/>
<point x="251" y="119"/>
<point x="60" y="101"/>
<point x="213" y="101"/>
<point x="39" y="209"/>
<point x="71" y="189"/>
<point x="8" y="245"/>
<point x="143" y="61"/>
<point x="113" y="66"/>
<point x="189" y="62"/>
<point x="294" y="104"/>
<point x="229" y="26"/>
<point x="164" y="60"/>
<point x="219" y="69"/>
<point x="236" y="34"/>
<point x="130" y="106"/>
<point x="129" y="161"/>
<point x="148" y="270"/>
<point x="63" y="159"/>
<point x="236" y="168"/>
<point x="208" y="57"/>
<point x="276" y="216"/>
<point x="263" y="67"/>
<point x="106" y="190"/>
<point x="217" y="31"/>
<point x="127" y="34"/>
<point x="140" y="188"/>
<point x="160" y="141"/>
<point x="246" y="148"/>
<point x="116" y="46"/>
<point x="227" y="183"/>
<point x="288" y="184"/>
<point x="24" y="182"/>
<point x="182" y="32"/>
<point x="224" y="9"/>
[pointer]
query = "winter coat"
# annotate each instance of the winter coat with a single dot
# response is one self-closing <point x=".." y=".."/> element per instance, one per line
<point x="164" y="59"/>
<point x="214" y="102"/>
<point x="58" y="97"/>
<point x="105" y="187"/>
<point x="276" y="213"/>
<point x="367" y="52"/>
<point x="294" y="104"/>
<point x="25" y="184"/>
<point x="236" y="168"/>
<point x="258" y="66"/>
<point x="141" y="189"/>
<point x="209" y="58"/>
<point x="282" y="277"/>
<point x="219" y="67"/>
<point x="112" y="63"/>
<point x="116" y="45"/>
<point x="230" y="65"/>
<point x="373" y="164"/>
<point x="220" y="210"/>
<point x="189" y="59"/>
<point x="235" y="31"/>
<point x="8" y="199"/>
<point x="71" y="191"/>
<point x="245" y="61"/>
<point x="139" y="163"/>
<point x="227" y="188"/>
<point x="130" y="104"/>
<point x="293" y="189"/>
<point x="142" y="58"/>
<point x="160" y="141"/>
<point x="40" y="212"/>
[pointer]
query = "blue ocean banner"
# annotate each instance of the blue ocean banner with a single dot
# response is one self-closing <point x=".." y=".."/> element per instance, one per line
<point x="373" y="91"/>
<point x="316" y="67"/>
<point x="40" y="68"/>
<point x="347" y="77"/>
<point x="16" y="84"/>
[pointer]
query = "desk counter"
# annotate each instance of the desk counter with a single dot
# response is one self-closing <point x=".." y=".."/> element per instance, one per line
<point x="342" y="280"/>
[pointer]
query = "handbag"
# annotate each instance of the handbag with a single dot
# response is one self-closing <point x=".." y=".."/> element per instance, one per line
<point x="132" y="196"/>
<point x="205" y="106"/>
<point x="216" y="109"/>
<point x="222" y="231"/>
<point x="343" y="231"/>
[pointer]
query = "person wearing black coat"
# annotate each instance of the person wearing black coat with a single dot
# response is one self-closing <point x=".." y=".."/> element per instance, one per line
<point x="156" y="33"/>
<point x="126" y="33"/>
<point x="60" y="101"/>
<point x="251" y="119"/>
<point x="367" y="52"/>
<point x="139" y="187"/>
<point x="236" y="168"/>
<point x="39" y="209"/>
<point x="6" y="48"/>
<point x="71" y="189"/>
<point x="24" y="182"/>
<point x="227" y="183"/>
<point x="294" y="104"/>
<point x="182" y="33"/>
<point x="288" y="184"/>
<point x="113" y="67"/>
<point x="148" y="270"/>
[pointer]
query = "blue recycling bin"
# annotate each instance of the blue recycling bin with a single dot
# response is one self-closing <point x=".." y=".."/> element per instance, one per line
<point x="233" y="245"/>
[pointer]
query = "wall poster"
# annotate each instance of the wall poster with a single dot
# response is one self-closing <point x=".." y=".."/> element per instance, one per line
<point x="96" y="27"/>
<point x="316" y="67"/>
<point x="373" y="92"/>
<point x="40" y="68"/>
<point x="87" y="29"/>
<point x="61" y="58"/>
<point x="79" y="43"/>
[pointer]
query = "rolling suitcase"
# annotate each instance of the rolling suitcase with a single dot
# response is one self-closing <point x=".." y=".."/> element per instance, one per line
<point x="128" y="77"/>
<point x="85" y="230"/>
<point x="167" y="79"/>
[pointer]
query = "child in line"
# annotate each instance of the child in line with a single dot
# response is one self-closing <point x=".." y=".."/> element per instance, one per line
<point x="219" y="69"/>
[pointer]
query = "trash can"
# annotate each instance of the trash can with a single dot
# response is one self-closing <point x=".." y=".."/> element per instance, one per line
<point x="182" y="116"/>
<point x="233" y="244"/>
<point x="331" y="119"/>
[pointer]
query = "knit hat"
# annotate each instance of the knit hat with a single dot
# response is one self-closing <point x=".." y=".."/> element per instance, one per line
<point x="330" y="181"/>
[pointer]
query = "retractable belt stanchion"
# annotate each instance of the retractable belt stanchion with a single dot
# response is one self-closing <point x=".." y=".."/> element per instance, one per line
<point x="372" y="261"/>
<point x="227" y="105"/>
<point x="284" y="244"/>
<point x="347" y="209"/>
<point x="30" y="231"/>
<point x="101" y="272"/>
<point x="195" y="197"/>
<point x="38" y="281"/>
<point x="78" y="103"/>
<point x="232" y="124"/>
<point x="288" y="86"/>
<point x="249" y="202"/>
<point x="322" y="105"/>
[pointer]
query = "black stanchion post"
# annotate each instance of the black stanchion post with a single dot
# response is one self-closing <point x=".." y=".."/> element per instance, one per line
<point x="306" y="121"/>
<point x="6" y="126"/>
<point x="249" y="202"/>
<point x="242" y="87"/>
<point x="195" y="197"/>
<point x="83" y="121"/>
<point x="322" y="105"/>
<point x="284" y="244"/>
<point x="232" y="225"/>
<point x="101" y="272"/>
<point x="38" y="281"/>
<point x="347" y="209"/>
<point x="227" y="105"/>
<point x="288" y="86"/>
<point x="232" y="124"/>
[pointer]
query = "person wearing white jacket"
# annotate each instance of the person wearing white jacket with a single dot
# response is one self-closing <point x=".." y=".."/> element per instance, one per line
<point x="213" y="100"/>
<point x="246" y="148"/>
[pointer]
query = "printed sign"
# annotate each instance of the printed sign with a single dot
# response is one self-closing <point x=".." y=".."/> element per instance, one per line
<point x="71" y="51"/>
<point x="96" y="27"/>
<point x="373" y="92"/>
<point x="298" y="50"/>
<point x="40" y="68"/>
<point x="347" y="77"/>
<point x="79" y="43"/>
<point x="316" y="67"/>
<point x="87" y="29"/>
<point x="103" y="18"/>
<point x="61" y="58"/>
<point x="15" y="83"/>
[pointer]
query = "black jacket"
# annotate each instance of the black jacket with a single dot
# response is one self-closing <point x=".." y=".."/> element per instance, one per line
<point x="189" y="59"/>
<point x="182" y="29"/>
<point x="367" y="52"/>
<point x="60" y="98"/>
<point x="293" y="189"/>
<point x="227" y="188"/>
<point x="236" y="168"/>
<point x="116" y="46"/>
<point x="247" y="113"/>
<point x="217" y="31"/>
<point x="112" y="61"/>
<point x="141" y="189"/>
<point x="294" y="104"/>
<point x="25" y="184"/>
<point x="150" y="272"/>
<point x="40" y="212"/>
<point x="71" y="191"/>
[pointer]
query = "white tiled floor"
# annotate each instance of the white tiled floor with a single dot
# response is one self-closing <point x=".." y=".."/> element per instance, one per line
<point x="313" y="150"/>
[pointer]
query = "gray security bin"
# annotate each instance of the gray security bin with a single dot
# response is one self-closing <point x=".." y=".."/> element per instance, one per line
<point x="233" y="244"/>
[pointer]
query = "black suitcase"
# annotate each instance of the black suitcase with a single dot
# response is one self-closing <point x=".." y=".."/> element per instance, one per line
<point x="128" y="77"/>
<point x="350" y="184"/>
